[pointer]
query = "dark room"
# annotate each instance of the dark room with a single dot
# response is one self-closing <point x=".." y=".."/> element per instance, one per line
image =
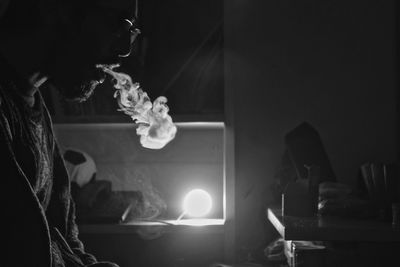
<point x="200" y="133"/>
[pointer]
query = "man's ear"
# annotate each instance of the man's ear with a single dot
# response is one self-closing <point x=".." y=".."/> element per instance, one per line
<point x="3" y="6"/>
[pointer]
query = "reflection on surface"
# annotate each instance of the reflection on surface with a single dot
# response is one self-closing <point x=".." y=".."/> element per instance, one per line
<point x="184" y="222"/>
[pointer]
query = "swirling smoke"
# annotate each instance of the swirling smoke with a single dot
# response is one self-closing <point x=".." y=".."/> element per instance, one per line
<point x="155" y="126"/>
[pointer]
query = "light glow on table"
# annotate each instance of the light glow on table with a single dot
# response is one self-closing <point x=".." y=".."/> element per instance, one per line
<point x="197" y="203"/>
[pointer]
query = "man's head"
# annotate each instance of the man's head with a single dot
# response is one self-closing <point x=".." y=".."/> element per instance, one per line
<point x="75" y="35"/>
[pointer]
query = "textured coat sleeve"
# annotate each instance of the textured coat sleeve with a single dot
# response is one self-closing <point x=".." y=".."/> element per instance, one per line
<point x="73" y="238"/>
<point x="26" y="236"/>
<point x="71" y="231"/>
<point x="64" y="211"/>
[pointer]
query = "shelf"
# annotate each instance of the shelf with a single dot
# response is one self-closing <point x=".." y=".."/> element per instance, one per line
<point x="182" y="125"/>
<point x="185" y="225"/>
<point x="332" y="228"/>
<point x="122" y="118"/>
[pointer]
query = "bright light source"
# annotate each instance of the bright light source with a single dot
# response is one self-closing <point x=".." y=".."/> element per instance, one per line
<point x="197" y="203"/>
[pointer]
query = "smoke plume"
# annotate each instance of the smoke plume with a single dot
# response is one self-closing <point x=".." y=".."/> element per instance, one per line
<point x="155" y="126"/>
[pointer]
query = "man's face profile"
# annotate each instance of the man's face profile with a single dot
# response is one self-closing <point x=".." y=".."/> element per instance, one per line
<point x="99" y="36"/>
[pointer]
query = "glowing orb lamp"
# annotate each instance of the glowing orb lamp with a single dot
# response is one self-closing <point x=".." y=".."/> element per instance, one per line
<point x="197" y="203"/>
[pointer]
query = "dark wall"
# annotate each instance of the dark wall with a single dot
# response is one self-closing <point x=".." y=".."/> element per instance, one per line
<point x="182" y="54"/>
<point x="330" y="63"/>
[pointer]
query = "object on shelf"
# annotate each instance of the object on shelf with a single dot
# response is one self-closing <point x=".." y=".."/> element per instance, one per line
<point x="108" y="206"/>
<point x="336" y="199"/>
<point x="296" y="200"/>
<point x="381" y="182"/>
<point x="300" y="198"/>
<point x="333" y="190"/>
<point x="305" y="148"/>
<point x="347" y="207"/>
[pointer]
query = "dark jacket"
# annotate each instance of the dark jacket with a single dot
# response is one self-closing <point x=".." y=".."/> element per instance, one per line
<point x="38" y="230"/>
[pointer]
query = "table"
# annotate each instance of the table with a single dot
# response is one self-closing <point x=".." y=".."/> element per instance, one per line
<point x="331" y="228"/>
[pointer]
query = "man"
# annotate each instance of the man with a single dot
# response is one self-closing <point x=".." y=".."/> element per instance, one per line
<point x="58" y="42"/>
